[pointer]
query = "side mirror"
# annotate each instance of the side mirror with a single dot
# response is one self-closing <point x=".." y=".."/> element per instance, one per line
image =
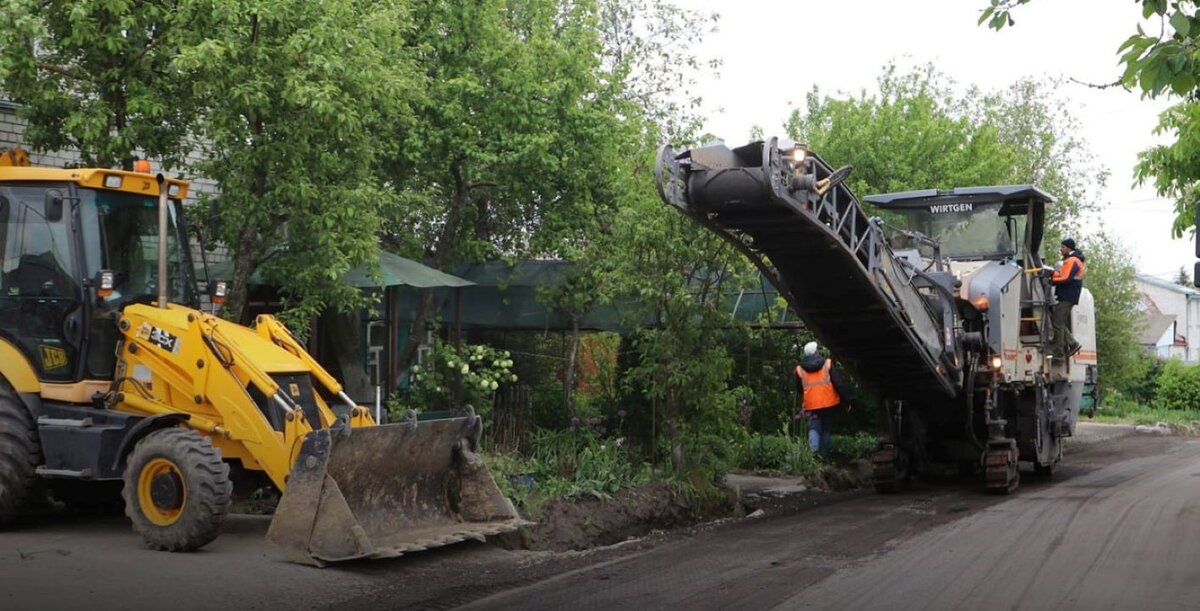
<point x="52" y="206"/>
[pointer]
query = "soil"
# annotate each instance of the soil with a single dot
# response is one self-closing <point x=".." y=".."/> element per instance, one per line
<point x="578" y="524"/>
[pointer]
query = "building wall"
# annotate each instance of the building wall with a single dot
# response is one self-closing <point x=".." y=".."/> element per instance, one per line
<point x="1185" y="305"/>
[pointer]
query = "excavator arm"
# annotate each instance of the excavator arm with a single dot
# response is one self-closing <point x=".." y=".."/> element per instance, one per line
<point x="351" y="488"/>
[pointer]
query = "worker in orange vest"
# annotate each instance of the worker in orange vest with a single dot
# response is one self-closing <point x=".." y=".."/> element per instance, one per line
<point x="1068" y="285"/>
<point x="821" y="390"/>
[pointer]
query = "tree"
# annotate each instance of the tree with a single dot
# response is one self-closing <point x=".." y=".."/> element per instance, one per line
<point x="1110" y="278"/>
<point x="1159" y="63"/>
<point x="294" y="95"/>
<point x="97" y="76"/>
<point x="514" y="148"/>
<point x="1182" y="277"/>
<point x="916" y="133"/>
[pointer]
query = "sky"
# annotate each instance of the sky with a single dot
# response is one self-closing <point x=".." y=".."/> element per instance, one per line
<point x="846" y="43"/>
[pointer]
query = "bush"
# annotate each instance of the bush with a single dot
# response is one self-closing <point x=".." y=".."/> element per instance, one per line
<point x="847" y="448"/>
<point x="1178" y="386"/>
<point x="780" y="453"/>
<point x="479" y="368"/>
<point x="581" y="463"/>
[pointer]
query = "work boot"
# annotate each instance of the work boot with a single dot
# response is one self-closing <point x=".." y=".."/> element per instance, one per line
<point x="1074" y="349"/>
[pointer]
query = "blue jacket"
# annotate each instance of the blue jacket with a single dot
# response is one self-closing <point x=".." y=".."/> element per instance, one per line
<point x="1068" y="282"/>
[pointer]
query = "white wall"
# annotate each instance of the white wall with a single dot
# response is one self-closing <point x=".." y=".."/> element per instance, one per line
<point x="1185" y="305"/>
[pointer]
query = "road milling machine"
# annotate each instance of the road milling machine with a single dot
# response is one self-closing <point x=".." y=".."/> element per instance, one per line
<point x="112" y="379"/>
<point x="940" y="304"/>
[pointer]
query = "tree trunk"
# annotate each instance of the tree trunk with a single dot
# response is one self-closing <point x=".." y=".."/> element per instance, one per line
<point x="340" y="334"/>
<point x="569" y="374"/>
<point x="246" y="259"/>
<point x="439" y="255"/>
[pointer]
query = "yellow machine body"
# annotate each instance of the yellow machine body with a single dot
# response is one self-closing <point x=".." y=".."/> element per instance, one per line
<point x="349" y="488"/>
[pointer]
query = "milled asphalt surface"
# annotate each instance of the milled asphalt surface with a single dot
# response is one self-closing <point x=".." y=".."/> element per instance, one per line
<point x="1117" y="528"/>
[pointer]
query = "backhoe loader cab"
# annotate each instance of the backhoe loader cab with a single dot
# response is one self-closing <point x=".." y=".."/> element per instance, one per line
<point x="114" y="387"/>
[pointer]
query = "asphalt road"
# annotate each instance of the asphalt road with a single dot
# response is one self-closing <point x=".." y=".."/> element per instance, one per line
<point x="1118" y="528"/>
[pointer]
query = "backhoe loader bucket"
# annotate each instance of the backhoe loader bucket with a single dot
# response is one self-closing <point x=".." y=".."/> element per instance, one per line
<point x="384" y="491"/>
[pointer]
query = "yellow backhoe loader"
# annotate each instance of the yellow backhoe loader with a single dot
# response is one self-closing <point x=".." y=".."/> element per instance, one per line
<point x="112" y="378"/>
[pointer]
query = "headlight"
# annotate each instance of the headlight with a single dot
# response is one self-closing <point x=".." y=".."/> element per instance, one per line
<point x="799" y="155"/>
<point x="173" y="190"/>
<point x="997" y="363"/>
<point x="112" y="181"/>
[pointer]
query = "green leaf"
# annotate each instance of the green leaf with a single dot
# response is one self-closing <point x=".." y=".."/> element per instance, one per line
<point x="1181" y="23"/>
<point x="1182" y="84"/>
<point x="987" y="13"/>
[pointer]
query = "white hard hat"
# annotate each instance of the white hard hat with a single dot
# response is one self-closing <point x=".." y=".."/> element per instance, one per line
<point x="810" y="348"/>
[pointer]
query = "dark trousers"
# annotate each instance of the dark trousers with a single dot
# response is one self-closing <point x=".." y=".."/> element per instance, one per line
<point x="820" y="431"/>
<point x="1061" y="317"/>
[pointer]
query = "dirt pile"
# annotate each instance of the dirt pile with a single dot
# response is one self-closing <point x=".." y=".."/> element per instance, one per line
<point x="591" y="522"/>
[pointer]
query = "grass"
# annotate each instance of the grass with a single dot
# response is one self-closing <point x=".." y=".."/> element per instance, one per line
<point x="1120" y="410"/>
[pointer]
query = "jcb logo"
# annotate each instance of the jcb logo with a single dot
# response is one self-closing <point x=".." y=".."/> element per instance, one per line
<point x="53" y="358"/>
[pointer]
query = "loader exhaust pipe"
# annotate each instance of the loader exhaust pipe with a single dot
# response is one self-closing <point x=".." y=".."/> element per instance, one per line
<point x="162" y="240"/>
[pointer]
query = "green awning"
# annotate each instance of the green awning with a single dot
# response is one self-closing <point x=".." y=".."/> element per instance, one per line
<point x="394" y="270"/>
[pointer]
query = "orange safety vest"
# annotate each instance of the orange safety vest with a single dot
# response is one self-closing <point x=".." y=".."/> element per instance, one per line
<point x="819" y="392"/>
<point x="1071" y="265"/>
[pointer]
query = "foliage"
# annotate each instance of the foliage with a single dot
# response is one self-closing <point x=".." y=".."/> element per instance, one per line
<point x="1141" y="383"/>
<point x="97" y="76"/>
<point x="1174" y="169"/>
<point x="847" y="448"/>
<point x="1124" y="409"/>
<point x="917" y="133"/>
<point x="1178" y="386"/>
<point x="1110" y="278"/>
<point x="295" y="94"/>
<point x="480" y="369"/>
<point x="518" y="144"/>
<point x="1162" y="63"/>
<point x="570" y="464"/>
<point x="780" y="452"/>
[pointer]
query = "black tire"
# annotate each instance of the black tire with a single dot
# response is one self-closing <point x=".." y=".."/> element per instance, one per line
<point x="20" y="454"/>
<point x="198" y="490"/>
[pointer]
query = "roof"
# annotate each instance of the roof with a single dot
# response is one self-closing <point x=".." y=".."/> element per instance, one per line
<point x="394" y="270"/>
<point x="1016" y="195"/>
<point x="131" y="182"/>
<point x="1168" y="285"/>
<point x="1153" y="328"/>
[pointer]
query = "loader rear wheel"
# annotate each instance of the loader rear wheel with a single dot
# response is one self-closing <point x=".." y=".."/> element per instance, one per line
<point x="20" y="454"/>
<point x="177" y="490"/>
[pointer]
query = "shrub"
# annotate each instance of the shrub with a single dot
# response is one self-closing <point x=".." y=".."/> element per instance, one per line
<point x="480" y="369"/>
<point x="780" y="453"/>
<point x="848" y="448"/>
<point x="1178" y="386"/>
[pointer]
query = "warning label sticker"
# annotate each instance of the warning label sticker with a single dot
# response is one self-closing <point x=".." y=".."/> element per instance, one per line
<point x="159" y="337"/>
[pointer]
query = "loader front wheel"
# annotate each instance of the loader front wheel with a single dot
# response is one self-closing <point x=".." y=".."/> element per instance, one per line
<point x="20" y="454"/>
<point x="177" y="490"/>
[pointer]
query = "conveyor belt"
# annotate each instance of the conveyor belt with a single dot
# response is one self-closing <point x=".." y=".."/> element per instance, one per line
<point x="824" y="254"/>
